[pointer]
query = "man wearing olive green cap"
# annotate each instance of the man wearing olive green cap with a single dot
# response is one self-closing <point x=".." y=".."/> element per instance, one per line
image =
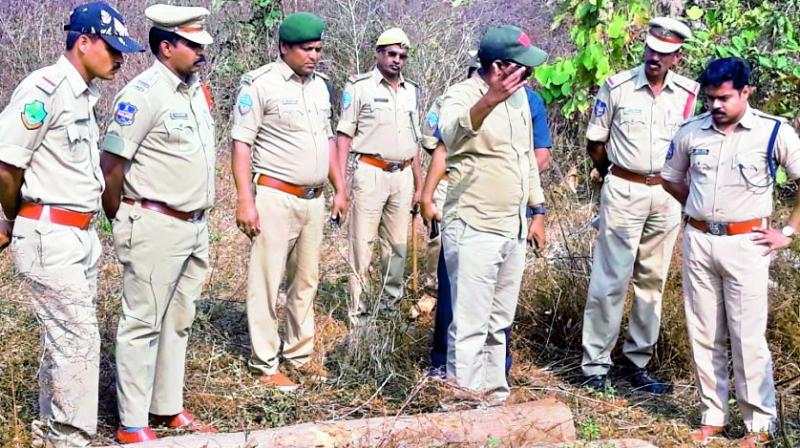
<point x="379" y="125"/>
<point x="283" y="142"/>
<point x="494" y="180"/>
<point x="161" y="125"/>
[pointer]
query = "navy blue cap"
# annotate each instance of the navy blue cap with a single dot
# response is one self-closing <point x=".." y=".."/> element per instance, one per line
<point x="100" y="19"/>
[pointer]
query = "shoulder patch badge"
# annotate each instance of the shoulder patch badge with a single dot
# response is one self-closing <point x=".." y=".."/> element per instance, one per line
<point x="671" y="151"/>
<point x="244" y="104"/>
<point x="432" y="119"/>
<point x="599" y="108"/>
<point x="347" y="100"/>
<point x="125" y="114"/>
<point x="33" y="115"/>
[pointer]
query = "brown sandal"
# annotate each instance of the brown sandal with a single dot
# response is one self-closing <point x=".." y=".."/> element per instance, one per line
<point x="705" y="434"/>
<point x="755" y="439"/>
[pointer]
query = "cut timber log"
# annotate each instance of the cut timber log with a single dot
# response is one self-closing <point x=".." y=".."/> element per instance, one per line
<point x="525" y="424"/>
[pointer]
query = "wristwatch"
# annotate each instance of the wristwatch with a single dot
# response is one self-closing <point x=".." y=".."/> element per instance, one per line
<point x="537" y="210"/>
<point x="788" y="231"/>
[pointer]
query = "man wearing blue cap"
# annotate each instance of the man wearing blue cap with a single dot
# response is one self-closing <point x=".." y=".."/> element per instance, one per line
<point x="494" y="180"/>
<point x="50" y="187"/>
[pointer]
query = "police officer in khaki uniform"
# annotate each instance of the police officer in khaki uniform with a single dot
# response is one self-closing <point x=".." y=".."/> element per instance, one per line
<point x="51" y="183"/>
<point x="161" y="125"/>
<point x="379" y="124"/>
<point x="635" y="115"/>
<point x="494" y="178"/>
<point x="282" y="140"/>
<point x="730" y="155"/>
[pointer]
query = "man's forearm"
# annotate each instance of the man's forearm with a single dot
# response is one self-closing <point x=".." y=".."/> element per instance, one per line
<point x="678" y="190"/>
<point x="335" y="171"/>
<point x="794" y="217"/>
<point x="597" y="152"/>
<point x="480" y="111"/>
<point x="242" y="172"/>
<point x="10" y="185"/>
<point x="416" y="169"/>
<point x="543" y="158"/>
<point x="436" y="170"/>
<point x="343" y="142"/>
<point x="113" y="172"/>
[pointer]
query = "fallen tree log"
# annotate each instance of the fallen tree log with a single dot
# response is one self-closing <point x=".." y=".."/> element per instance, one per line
<point x="537" y="422"/>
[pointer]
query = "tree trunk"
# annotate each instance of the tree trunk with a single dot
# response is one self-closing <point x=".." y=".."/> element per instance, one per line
<point x="526" y="424"/>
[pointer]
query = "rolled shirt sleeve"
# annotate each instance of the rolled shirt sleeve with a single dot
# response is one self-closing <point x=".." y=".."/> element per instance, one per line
<point x="24" y="123"/>
<point x="131" y="121"/>
<point x="787" y="151"/>
<point x="602" y="113"/>
<point x="247" y="114"/>
<point x="351" y="104"/>
<point x="541" y="129"/>
<point x="535" y="190"/>
<point x="677" y="162"/>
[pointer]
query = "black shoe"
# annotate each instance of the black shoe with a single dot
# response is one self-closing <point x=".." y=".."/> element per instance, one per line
<point x="597" y="383"/>
<point x="642" y="380"/>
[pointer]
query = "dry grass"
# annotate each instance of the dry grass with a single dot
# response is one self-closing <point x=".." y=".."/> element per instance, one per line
<point x="380" y="371"/>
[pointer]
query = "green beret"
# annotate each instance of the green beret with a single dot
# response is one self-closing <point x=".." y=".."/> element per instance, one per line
<point x="301" y="27"/>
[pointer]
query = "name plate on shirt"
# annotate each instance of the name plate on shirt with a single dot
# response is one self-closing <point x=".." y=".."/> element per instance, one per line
<point x="289" y="101"/>
<point x="699" y="152"/>
<point x="179" y="115"/>
<point x="381" y="100"/>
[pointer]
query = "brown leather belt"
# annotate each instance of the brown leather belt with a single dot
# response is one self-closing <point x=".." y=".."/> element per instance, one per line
<point x="304" y="192"/>
<point x="61" y="216"/>
<point x="385" y="165"/>
<point x="650" y="179"/>
<point x="164" y="209"/>
<point x="728" y="228"/>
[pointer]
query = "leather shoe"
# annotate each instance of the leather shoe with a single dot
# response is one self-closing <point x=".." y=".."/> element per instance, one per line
<point x="597" y="383"/>
<point x="183" y="421"/>
<point x="644" y="381"/>
<point x="705" y="434"/>
<point x="142" y="435"/>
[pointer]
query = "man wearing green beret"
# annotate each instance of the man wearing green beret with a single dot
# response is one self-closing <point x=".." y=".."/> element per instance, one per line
<point x="494" y="180"/>
<point x="283" y="142"/>
<point x="379" y="124"/>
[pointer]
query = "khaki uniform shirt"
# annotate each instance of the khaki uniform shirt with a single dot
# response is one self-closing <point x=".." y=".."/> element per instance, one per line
<point x="430" y="126"/>
<point x="493" y="170"/>
<point x="380" y="120"/>
<point x="287" y="122"/>
<point x="164" y="127"/>
<point x="637" y="126"/>
<point x="49" y="130"/>
<point x="729" y="178"/>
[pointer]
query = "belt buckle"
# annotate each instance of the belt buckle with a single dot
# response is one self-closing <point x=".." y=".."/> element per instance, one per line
<point x="310" y="192"/>
<point x="650" y="179"/>
<point x="393" y="167"/>
<point x="717" y="229"/>
<point x="197" y="216"/>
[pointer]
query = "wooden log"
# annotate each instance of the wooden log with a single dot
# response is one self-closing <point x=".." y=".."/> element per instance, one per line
<point x="525" y="424"/>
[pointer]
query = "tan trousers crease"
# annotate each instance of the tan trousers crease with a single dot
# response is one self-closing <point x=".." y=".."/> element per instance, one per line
<point x="289" y="242"/>
<point x="164" y="262"/>
<point x="381" y="208"/>
<point x="639" y="225"/>
<point x="435" y="245"/>
<point x="725" y="280"/>
<point x="485" y="272"/>
<point x="59" y="267"/>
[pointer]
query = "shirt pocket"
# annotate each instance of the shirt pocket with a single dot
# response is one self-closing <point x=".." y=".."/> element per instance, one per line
<point x="323" y="118"/>
<point x="290" y="116"/>
<point x="79" y="143"/>
<point x="702" y="168"/>
<point x="632" y="122"/>
<point x="381" y="113"/>
<point x="181" y="134"/>
<point x="751" y="171"/>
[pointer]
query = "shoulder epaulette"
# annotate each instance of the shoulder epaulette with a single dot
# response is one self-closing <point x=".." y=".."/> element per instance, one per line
<point x="251" y="76"/>
<point x="620" y="78"/>
<point x="323" y="76"/>
<point x="49" y="78"/>
<point x="359" y="77"/>
<point x="146" y="81"/>
<point x="687" y="84"/>
<point x="696" y="118"/>
<point x="763" y="114"/>
<point x="413" y="83"/>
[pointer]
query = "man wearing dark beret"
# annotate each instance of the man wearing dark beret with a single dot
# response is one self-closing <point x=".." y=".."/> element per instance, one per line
<point x="283" y="142"/>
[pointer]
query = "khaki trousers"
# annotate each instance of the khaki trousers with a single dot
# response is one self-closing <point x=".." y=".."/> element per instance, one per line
<point x="725" y="294"/>
<point x="638" y="228"/>
<point x="485" y="272"/>
<point x="290" y="240"/>
<point x="381" y="207"/>
<point x="435" y="245"/>
<point x="164" y="262"/>
<point x="59" y="268"/>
